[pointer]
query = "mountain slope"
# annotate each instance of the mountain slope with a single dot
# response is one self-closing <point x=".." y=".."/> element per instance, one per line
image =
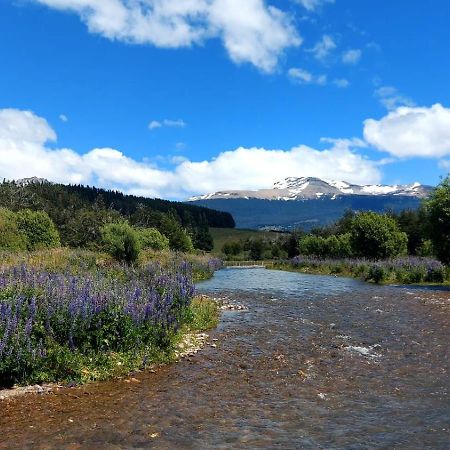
<point x="312" y="188"/>
<point x="309" y="202"/>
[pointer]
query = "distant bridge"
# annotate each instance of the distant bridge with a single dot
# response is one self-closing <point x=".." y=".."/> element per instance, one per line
<point x="248" y="264"/>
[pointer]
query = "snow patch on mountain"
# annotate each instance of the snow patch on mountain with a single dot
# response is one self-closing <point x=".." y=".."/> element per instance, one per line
<point x="303" y="188"/>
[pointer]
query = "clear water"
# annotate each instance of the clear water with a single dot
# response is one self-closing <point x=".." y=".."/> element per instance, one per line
<point x="315" y="362"/>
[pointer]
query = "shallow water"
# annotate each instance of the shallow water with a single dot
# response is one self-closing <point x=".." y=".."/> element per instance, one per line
<point x="316" y="362"/>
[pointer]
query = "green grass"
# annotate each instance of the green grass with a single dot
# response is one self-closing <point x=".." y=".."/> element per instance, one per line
<point x="222" y="236"/>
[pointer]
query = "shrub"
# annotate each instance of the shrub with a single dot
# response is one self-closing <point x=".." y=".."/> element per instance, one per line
<point x="377" y="273"/>
<point x="377" y="236"/>
<point x="121" y="241"/>
<point x="10" y="236"/>
<point x="152" y="238"/>
<point x="438" y="211"/>
<point x="38" y="228"/>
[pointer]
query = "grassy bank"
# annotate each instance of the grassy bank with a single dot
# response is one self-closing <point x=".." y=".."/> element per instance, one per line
<point x="405" y="270"/>
<point x="80" y="316"/>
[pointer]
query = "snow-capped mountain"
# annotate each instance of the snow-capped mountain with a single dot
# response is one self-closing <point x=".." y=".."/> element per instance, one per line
<point x="307" y="188"/>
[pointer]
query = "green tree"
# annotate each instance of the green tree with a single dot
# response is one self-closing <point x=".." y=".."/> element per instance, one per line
<point x="232" y="248"/>
<point x="377" y="236"/>
<point x="39" y="229"/>
<point x="10" y="236"/>
<point x="438" y="212"/>
<point x="152" y="238"/>
<point x="256" y="248"/>
<point x="178" y="237"/>
<point x="121" y="241"/>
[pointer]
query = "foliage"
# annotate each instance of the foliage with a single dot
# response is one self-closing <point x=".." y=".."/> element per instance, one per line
<point x="405" y="270"/>
<point x="79" y="212"/>
<point x="204" y="314"/>
<point x="10" y="236"/>
<point x="438" y="211"/>
<point x="80" y="315"/>
<point x="151" y="238"/>
<point x="332" y="246"/>
<point x="414" y="224"/>
<point x="38" y="228"/>
<point x="232" y="248"/>
<point x="178" y="237"/>
<point x="376" y="236"/>
<point x="121" y="241"/>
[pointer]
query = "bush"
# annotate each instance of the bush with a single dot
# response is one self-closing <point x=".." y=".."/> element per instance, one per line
<point x="377" y="273"/>
<point x="438" y="211"/>
<point x="377" y="236"/>
<point x="232" y="248"/>
<point x="38" y="228"/>
<point x="10" y="236"/>
<point x="121" y="241"/>
<point x="152" y="238"/>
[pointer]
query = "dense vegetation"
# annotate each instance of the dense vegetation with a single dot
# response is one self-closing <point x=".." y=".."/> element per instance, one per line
<point x="80" y="212"/>
<point x="81" y="316"/>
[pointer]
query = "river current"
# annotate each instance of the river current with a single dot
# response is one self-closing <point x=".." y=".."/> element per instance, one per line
<point x="314" y="362"/>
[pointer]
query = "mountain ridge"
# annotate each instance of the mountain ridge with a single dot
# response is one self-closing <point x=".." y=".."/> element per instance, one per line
<point x="307" y="188"/>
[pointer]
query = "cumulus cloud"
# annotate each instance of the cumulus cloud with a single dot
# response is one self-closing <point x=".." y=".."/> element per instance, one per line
<point x="323" y="48"/>
<point x="351" y="56"/>
<point x="312" y="5"/>
<point x="411" y="132"/>
<point x="155" y="124"/>
<point x="391" y="99"/>
<point x="25" y="152"/>
<point x="251" y="31"/>
<point x="302" y="76"/>
<point x="63" y="118"/>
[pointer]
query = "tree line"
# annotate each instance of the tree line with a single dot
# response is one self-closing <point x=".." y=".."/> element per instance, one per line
<point x="421" y="232"/>
<point x="80" y="212"/>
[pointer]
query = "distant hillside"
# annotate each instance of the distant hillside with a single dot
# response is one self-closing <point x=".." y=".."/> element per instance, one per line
<point x="306" y="202"/>
<point x="74" y="208"/>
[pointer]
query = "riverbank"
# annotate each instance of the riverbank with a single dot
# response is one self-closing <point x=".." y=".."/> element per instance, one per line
<point x="314" y="362"/>
<point x="406" y="270"/>
<point x="74" y="317"/>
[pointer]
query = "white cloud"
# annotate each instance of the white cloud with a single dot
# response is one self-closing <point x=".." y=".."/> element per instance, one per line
<point x="179" y="123"/>
<point x="251" y="31"/>
<point x="323" y="48"/>
<point x="154" y="124"/>
<point x="341" y="82"/>
<point x="351" y="56"/>
<point x="63" y="118"/>
<point x="391" y="99"/>
<point x="24" y="153"/>
<point x="312" y="5"/>
<point x="302" y="76"/>
<point x="411" y="131"/>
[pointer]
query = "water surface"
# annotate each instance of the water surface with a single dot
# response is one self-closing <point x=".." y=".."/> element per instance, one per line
<point x="316" y="362"/>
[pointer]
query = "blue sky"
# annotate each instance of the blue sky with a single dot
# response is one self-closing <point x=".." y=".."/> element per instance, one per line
<point x="239" y="93"/>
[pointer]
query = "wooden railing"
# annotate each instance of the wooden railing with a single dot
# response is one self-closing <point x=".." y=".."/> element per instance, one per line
<point x="248" y="264"/>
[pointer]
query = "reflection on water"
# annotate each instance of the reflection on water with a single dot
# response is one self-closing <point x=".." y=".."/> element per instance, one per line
<point x="316" y="362"/>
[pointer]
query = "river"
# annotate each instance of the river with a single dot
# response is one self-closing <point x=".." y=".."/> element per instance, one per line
<point x="315" y="362"/>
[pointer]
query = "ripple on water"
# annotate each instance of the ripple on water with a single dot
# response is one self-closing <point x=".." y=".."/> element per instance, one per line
<point x="297" y="370"/>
